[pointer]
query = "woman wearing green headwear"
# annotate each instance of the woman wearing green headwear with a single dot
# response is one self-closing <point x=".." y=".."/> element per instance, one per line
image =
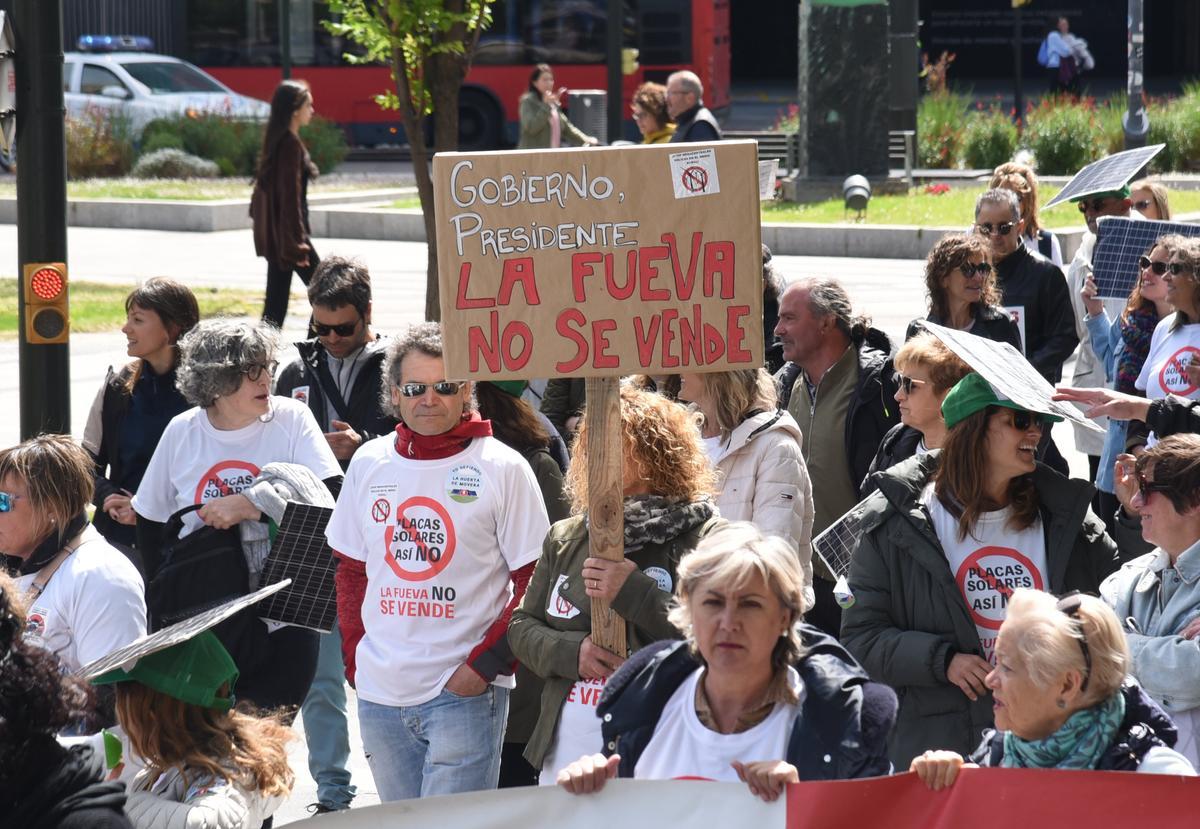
<point x="205" y="764"/>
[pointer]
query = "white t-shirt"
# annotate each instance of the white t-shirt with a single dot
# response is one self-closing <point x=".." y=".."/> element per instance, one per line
<point x="683" y="747"/>
<point x="991" y="562"/>
<point x="1170" y="354"/>
<point x="94" y="603"/>
<point x="439" y="539"/>
<point x="195" y="462"/>
<point x="578" y="731"/>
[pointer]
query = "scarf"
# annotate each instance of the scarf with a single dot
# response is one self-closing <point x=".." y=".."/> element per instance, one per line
<point x="434" y="447"/>
<point x="656" y="519"/>
<point x="52" y="544"/>
<point x="1137" y="328"/>
<point x="1078" y="744"/>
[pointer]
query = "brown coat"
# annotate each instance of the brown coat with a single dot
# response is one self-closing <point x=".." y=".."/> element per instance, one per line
<point x="278" y="206"/>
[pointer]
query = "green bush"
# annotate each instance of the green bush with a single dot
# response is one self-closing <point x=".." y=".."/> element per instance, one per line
<point x="233" y="144"/>
<point x="1164" y="129"/>
<point x="172" y="163"/>
<point x="1112" y="128"/>
<point x="939" y="129"/>
<point x="99" y="144"/>
<point x="326" y="143"/>
<point x="989" y="139"/>
<point x="1064" y="136"/>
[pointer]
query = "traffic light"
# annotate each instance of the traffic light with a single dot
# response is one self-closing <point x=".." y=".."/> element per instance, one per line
<point x="629" y="61"/>
<point x="47" y="316"/>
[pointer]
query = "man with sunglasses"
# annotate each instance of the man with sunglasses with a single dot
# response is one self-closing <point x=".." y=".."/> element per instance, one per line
<point x="337" y="375"/>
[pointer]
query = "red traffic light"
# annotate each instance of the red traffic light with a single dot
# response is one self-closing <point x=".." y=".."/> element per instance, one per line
<point x="47" y="284"/>
<point x="47" y="313"/>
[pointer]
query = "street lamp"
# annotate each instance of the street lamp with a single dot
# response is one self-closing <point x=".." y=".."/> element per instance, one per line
<point x="856" y="191"/>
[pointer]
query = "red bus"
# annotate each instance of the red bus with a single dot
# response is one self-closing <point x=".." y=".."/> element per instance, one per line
<point x="238" y="42"/>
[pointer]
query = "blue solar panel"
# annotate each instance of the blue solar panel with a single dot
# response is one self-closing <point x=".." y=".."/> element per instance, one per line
<point x="1119" y="243"/>
<point x="1107" y="174"/>
<point x="302" y="554"/>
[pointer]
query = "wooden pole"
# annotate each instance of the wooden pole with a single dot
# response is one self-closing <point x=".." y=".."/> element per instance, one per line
<point x="606" y="511"/>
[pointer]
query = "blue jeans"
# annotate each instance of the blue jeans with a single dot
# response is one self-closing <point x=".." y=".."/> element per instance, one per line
<point x="448" y="745"/>
<point x="326" y="727"/>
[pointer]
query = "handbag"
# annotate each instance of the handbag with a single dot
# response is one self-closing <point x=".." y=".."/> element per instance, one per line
<point x="199" y="571"/>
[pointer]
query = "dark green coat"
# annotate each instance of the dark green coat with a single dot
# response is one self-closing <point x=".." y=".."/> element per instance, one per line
<point x="909" y="615"/>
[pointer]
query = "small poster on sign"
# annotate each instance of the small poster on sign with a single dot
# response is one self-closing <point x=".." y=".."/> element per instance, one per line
<point x="694" y="173"/>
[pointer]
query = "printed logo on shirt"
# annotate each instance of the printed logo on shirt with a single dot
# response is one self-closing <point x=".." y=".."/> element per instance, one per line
<point x="559" y="606"/>
<point x="380" y="510"/>
<point x="420" y="544"/>
<point x="586" y="692"/>
<point x="1017" y="312"/>
<point x="464" y="483"/>
<point x="225" y="478"/>
<point x="661" y="577"/>
<point x="300" y="393"/>
<point x="1174" y="377"/>
<point x="988" y="577"/>
<point x="35" y="623"/>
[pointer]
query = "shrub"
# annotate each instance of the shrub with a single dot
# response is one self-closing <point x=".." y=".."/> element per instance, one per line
<point x="326" y="143"/>
<point x="172" y="163"/>
<point x="99" y="144"/>
<point x="939" y="124"/>
<point x="1063" y="135"/>
<point x="1109" y="119"/>
<point x="989" y="139"/>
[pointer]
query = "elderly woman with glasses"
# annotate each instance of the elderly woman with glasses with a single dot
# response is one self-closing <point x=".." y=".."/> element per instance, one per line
<point x="1061" y="699"/>
<point x="946" y="539"/>
<point x="211" y="454"/>
<point x="961" y="285"/>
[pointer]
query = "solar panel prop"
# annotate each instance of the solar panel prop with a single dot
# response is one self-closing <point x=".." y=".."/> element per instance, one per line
<point x="301" y="553"/>
<point x="1107" y="174"/>
<point x="1119" y="243"/>
<point x="127" y="656"/>
<point x="835" y="546"/>
<point x="1010" y="374"/>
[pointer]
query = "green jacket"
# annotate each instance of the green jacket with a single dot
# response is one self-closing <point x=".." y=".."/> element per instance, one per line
<point x="535" y="126"/>
<point x="909" y="615"/>
<point x="549" y="645"/>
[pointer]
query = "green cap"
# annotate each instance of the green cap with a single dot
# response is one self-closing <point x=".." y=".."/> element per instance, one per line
<point x="192" y="671"/>
<point x="1122" y="193"/>
<point x="514" y="388"/>
<point x="973" y="393"/>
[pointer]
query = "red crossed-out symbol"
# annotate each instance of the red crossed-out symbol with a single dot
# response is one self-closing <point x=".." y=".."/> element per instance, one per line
<point x="695" y="179"/>
<point x="1178" y="364"/>
<point x="436" y="559"/>
<point x="380" y="510"/>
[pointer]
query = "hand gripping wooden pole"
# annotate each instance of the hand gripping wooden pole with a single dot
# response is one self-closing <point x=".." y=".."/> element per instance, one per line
<point x="606" y="503"/>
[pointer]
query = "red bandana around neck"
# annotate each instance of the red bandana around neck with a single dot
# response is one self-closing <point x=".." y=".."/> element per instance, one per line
<point x="433" y="447"/>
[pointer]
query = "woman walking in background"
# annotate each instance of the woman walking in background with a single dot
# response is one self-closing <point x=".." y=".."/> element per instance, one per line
<point x="544" y="126"/>
<point x="279" y="205"/>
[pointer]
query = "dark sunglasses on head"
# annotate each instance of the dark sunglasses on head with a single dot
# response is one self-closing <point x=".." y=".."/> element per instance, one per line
<point x="1177" y="268"/>
<point x="982" y="269"/>
<point x="987" y="228"/>
<point x="445" y="388"/>
<point x="905" y="384"/>
<point x="6" y="501"/>
<point x="345" y="329"/>
<point x="1070" y="604"/>
<point x="1095" y="205"/>
<point x="1145" y="488"/>
<point x="1146" y="262"/>
<point x="1022" y="419"/>
<point x="254" y="372"/>
<point x="1142" y="204"/>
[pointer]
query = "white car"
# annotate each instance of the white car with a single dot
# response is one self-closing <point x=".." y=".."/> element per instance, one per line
<point x="145" y="86"/>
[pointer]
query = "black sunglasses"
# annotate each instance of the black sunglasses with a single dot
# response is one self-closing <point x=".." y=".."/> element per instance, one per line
<point x="345" y="329"/>
<point x="1095" y="205"/>
<point x="1070" y="604"/>
<point x="1177" y="268"/>
<point x="253" y="372"/>
<point x="1023" y="419"/>
<point x="982" y="269"/>
<point x="987" y="229"/>
<point x="905" y="384"/>
<point x="1158" y="267"/>
<point x="1146" y="487"/>
<point x="445" y="388"/>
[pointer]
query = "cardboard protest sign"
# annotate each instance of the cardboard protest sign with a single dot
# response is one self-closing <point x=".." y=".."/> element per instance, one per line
<point x="599" y="262"/>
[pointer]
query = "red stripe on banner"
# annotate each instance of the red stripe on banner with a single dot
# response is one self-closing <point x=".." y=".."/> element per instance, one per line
<point x="997" y="798"/>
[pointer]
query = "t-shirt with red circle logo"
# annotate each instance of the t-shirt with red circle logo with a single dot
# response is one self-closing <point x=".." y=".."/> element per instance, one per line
<point x="990" y="563"/>
<point x="195" y="462"/>
<point x="439" y="539"/>
<point x="1165" y="369"/>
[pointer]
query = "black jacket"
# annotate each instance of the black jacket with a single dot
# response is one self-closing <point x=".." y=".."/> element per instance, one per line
<point x="872" y="411"/>
<point x="52" y="787"/>
<point x="1040" y="287"/>
<point x="899" y="444"/>
<point x="990" y="323"/>
<point x="363" y="409"/>
<point x="697" y="124"/>
<point x="1144" y="726"/>
<point x="841" y="732"/>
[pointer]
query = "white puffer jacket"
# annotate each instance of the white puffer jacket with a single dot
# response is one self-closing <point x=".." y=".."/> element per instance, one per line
<point x="763" y="479"/>
<point x="169" y="803"/>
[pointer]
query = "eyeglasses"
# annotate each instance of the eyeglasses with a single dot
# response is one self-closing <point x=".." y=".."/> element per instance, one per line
<point x="1142" y="204"/>
<point x="345" y="329"/>
<point x="638" y="114"/>
<point x="1070" y="604"/>
<point x="982" y="269"/>
<point x="6" y="501"/>
<point x="906" y="383"/>
<point x="1177" y="268"/>
<point x="1145" y="488"/>
<point x="1022" y="420"/>
<point x="255" y="371"/>
<point x="445" y="388"/>
<point x="1145" y="262"/>
<point x="1094" y="205"/>
<point x="987" y="228"/>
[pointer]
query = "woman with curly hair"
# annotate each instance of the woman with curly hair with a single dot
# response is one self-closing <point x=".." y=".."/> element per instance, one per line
<point x="205" y="764"/>
<point x="1021" y="179"/>
<point x="650" y="113"/>
<point x="668" y="489"/>
<point x="963" y="294"/>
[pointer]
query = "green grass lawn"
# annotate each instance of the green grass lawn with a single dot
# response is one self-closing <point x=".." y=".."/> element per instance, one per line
<point x="187" y="189"/>
<point x="98" y="306"/>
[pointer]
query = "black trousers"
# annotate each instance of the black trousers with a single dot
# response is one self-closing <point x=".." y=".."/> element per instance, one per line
<point x="279" y="286"/>
<point x="281" y="679"/>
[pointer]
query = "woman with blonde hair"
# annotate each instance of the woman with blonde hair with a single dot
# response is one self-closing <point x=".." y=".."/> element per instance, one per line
<point x="1061" y="699"/>
<point x="755" y="449"/>
<point x="668" y="487"/>
<point x="205" y="763"/>
<point x="1021" y="179"/>
<point x="960" y="281"/>
<point x="1150" y="199"/>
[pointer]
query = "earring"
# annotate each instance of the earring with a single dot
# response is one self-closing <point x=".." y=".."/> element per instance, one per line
<point x="1061" y="703"/>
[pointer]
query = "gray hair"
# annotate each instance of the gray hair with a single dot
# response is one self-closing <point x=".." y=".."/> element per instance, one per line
<point x="999" y="197"/>
<point x="730" y="556"/>
<point x="424" y="337"/>
<point x="214" y="355"/>
<point x="690" y="82"/>
<point x="827" y="297"/>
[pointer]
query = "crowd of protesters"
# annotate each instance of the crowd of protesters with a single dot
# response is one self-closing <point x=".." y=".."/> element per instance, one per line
<point x="995" y="610"/>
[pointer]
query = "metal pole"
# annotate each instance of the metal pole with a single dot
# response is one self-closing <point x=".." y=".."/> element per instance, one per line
<point x="1136" y="121"/>
<point x="616" y="31"/>
<point x="45" y="370"/>
<point x="1018" y="93"/>
<point x="285" y="37"/>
